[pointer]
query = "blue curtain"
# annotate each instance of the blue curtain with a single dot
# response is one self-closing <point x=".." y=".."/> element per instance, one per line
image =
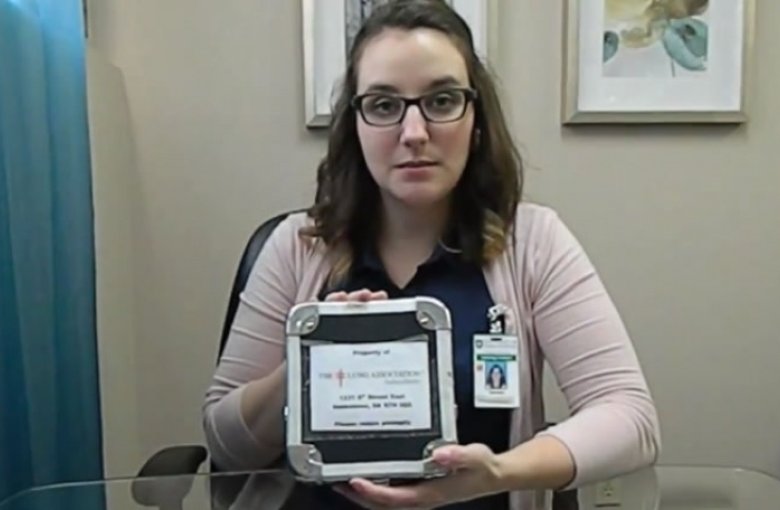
<point x="49" y="402"/>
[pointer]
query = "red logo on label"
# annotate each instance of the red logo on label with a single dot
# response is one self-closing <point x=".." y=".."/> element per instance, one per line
<point x="340" y="377"/>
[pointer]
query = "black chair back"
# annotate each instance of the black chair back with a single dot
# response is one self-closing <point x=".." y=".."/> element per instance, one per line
<point x="245" y="265"/>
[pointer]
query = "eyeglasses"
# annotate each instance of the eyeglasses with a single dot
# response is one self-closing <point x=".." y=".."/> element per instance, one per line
<point x="444" y="105"/>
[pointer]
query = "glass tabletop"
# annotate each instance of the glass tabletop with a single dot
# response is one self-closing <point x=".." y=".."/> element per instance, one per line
<point x="659" y="488"/>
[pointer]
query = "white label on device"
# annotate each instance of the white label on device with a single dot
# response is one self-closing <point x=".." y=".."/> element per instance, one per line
<point x="382" y="386"/>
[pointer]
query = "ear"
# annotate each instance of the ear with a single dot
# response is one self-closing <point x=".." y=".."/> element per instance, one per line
<point x="476" y="139"/>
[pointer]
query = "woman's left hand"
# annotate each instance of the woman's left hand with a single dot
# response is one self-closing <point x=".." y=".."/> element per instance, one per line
<point x="474" y="472"/>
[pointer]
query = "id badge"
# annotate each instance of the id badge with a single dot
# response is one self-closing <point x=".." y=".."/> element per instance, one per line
<point x="496" y="371"/>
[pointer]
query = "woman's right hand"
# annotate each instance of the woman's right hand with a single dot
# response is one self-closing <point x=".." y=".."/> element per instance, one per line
<point x="268" y="393"/>
<point x="358" y="295"/>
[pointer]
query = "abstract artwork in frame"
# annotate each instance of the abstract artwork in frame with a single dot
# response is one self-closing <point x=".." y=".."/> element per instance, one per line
<point x="656" y="61"/>
<point x="330" y="26"/>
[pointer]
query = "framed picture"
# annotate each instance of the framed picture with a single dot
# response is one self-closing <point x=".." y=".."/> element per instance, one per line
<point x="329" y="26"/>
<point x="650" y="61"/>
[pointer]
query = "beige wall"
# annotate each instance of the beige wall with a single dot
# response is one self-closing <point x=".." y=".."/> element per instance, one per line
<point x="681" y="221"/>
<point x="115" y="197"/>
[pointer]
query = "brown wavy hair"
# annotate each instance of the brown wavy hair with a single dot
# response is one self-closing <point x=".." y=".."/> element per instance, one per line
<point x="346" y="210"/>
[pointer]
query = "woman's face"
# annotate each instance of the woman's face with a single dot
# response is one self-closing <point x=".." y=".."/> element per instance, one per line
<point x="495" y="376"/>
<point x="414" y="162"/>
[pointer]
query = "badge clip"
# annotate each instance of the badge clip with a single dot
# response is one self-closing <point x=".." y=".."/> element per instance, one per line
<point x="497" y="319"/>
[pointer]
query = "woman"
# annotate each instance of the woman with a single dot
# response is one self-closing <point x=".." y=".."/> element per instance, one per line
<point x="496" y="379"/>
<point x="419" y="194"/>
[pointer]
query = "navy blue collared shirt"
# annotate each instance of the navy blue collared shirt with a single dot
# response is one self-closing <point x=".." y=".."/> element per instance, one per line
<point x="461" y="287"/>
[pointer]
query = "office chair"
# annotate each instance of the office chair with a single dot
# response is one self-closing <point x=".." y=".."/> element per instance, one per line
<point x="187" y="459"/>
<point x="178" y="464"/>
<point x="179" y="460"/>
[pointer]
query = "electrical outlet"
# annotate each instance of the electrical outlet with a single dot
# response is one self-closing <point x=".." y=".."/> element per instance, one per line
<point x="608" y="494"/>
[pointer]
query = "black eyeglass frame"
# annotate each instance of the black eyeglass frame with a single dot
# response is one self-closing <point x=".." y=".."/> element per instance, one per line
<point x="469" y="94"/>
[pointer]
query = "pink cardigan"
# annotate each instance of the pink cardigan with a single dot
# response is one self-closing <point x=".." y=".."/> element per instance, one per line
<point x="560" y="309"/>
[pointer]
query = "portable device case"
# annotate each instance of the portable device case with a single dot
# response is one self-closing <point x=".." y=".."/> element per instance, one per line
<point x="332" y="456"/>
